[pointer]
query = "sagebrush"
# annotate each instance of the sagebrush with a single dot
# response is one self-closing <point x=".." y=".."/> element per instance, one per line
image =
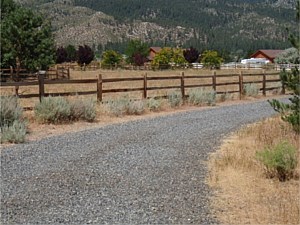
<point x="250" y="90"/>
<point x="154" y="104"/>
<point x="12" y="125"/>
<point x="201" y="96"/>
<point x="279" y="161"/>
<point x="175" y="99"/>
<point x="10" y="110"/>
<point x="14" y="133"/>
<point x="58" y="110"/>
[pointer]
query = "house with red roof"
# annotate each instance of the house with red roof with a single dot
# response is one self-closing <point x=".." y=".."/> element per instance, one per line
<point x="152" y="52"/>
<point x="268" y="54"/>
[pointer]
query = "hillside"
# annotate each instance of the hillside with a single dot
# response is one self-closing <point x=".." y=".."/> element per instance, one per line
<point x="230" y="25"/>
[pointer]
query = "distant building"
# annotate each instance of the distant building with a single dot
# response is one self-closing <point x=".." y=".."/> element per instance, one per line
<point x="268" y="54"/>
<point x="153" y="51"/>
<point x="255" y="61"/>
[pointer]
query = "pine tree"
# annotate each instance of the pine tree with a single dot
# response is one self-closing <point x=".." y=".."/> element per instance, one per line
<point x="290" y="112"/>
<point x="26" y="38"/>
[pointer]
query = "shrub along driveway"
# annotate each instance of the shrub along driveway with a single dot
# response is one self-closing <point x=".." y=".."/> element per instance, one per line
<point x="146" y="171"/>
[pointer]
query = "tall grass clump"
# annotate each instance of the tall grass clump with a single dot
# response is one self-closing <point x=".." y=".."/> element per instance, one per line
<point x="279" y="161"/>
<point x="175" y="99"/>
<point x="250" y="90"/>
<point x="83" y="109"/>
<point x="13" y="127"/>
<point x="53" y="110"/>
<point x="154" y="105"/>
<point x="201" y="96"/>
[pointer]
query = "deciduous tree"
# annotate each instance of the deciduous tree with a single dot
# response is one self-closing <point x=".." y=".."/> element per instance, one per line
<point x="137" y="52"/>
<point x="61" y="55"/>
<point x="211" y="59"/>
<point x="85" y="55"/>
<point x="168" y="56"/>
<point x="191" y="55"/>
<point x="111" y="57"/>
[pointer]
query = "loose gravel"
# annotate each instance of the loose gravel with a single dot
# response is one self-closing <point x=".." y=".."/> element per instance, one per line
<point x="146" y="171"/>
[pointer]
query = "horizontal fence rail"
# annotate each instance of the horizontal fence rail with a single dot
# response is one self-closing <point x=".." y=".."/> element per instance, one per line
<point x="182" y="84"/>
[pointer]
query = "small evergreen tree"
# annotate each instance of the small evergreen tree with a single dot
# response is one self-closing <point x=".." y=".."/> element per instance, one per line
<point x="26" y="38"/>
<point x="71" y="53"/>
<point x="137" y="52"/>
<point x="290" y="112"/>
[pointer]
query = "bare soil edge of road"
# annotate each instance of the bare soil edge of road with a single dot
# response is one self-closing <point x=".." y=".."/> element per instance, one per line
<point x="38" y="131"/>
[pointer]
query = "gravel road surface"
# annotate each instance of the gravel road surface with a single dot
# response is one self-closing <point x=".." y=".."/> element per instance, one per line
<point x="146" y="171"/>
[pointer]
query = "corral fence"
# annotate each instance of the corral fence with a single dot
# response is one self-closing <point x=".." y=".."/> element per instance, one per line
<point x="12" y="74"/>
<point x="195" y="66"/>
<point x="266" y="82"/>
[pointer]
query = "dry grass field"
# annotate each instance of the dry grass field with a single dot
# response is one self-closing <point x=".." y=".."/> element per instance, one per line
<point x="243" y="193"/>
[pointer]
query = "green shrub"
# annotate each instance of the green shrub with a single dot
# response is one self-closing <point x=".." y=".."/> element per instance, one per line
<point x="136" y="108"/>
<point x="154" y="104"/>
<point x="84" y="109"/>
<point x="10" y="110"/>
<point x="13" y="133"/>
<point x="201" y="96"/>
<point x="175" y="99"/>
<point x="250" y="90"/>
<point x="279" y="161"/>
<point x="53" y="110"/>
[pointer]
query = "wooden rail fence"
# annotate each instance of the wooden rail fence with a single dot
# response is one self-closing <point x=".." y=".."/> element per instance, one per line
<point x="22" y="74"/>
<point x="145" y="88"/>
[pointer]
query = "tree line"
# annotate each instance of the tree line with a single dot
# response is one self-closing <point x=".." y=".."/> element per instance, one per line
<point x="28" y="42"/>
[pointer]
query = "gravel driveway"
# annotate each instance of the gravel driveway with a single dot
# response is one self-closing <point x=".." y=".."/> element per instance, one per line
<point x="146" y="171"/>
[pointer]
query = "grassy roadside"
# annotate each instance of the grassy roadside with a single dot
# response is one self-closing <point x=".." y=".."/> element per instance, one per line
<point x="243" y="194"/>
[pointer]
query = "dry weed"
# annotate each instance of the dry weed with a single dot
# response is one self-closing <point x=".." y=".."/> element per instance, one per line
<point x="243" y="195"/>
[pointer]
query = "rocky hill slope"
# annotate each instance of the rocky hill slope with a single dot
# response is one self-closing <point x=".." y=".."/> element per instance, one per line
<point x="222" y="24"/>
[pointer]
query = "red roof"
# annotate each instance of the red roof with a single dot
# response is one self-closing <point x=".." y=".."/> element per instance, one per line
<point x="269" y="53"/>
<point x="155" y="49"/>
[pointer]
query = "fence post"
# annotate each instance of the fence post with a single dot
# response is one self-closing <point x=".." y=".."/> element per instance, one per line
<point x="68" y="71"/>
<point x="241" y="84"/>
<point x="57" y="72"/>
<point x="214" y="81"/>
<point x="145" y="86"/>
<point x="11" y="72"/>
<point x="41" y="85"/>
<point x="182" y="85"/>
<point x="99" y="88"/>
<point x="264" y="83"/>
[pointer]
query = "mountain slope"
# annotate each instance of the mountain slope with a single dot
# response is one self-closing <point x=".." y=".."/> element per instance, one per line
<point x="220" y="24"/>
